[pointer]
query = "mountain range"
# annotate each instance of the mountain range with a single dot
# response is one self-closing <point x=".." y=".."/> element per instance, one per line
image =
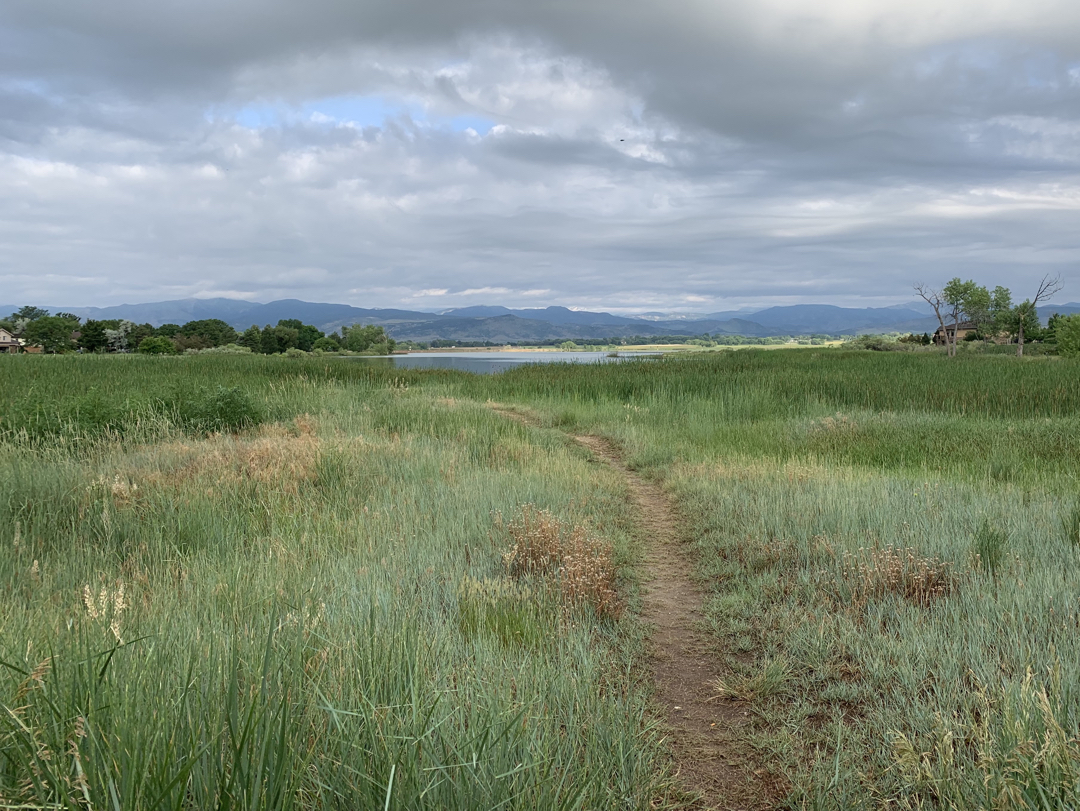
<point x="504" y="325"/>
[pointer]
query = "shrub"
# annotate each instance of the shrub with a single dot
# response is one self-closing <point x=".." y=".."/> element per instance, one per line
<point x="326" y="345"/>
<point x="1068" y="336"/>
<point x="156" y="345"/>
<point x="218" y="409"/>
<point x="227" y="349"/>
<point x="875" y="343"/>
<point x="582" y="567"/>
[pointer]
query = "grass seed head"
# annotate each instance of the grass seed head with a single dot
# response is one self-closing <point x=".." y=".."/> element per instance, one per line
<point x="581" y="567"/>
<point x="871" y="574"/>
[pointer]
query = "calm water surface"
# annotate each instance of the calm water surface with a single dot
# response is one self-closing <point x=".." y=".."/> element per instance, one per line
<point x="492" y="362"/>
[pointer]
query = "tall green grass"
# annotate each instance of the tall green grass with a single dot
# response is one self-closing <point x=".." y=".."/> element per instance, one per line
<point x="283" y="617"/>
<point x="318" y="614"/>
<point x="890" y="545"/>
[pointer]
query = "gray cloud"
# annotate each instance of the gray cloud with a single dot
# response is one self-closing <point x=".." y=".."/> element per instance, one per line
<point x="687" y="155"/>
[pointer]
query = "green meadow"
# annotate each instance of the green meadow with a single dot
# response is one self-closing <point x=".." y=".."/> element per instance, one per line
<point x="268" y="582"/>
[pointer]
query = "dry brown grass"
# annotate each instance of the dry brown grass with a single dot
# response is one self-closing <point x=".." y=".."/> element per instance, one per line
<point x="581" y="566"/>
<point x="873" y="573"/>
<point x="284" y="454"/>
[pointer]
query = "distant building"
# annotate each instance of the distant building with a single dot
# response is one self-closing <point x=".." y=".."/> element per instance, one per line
<point x="9" y="344"/>
<point x="959" y="331"/>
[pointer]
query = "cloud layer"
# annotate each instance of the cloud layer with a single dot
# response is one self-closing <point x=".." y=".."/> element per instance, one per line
<point x="632" y="155"/>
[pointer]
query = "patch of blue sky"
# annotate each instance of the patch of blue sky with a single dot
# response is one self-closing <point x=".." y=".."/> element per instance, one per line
<point x="30" y="87"/>
<point x="357" y="111"/>
<point x="460" y="123"/>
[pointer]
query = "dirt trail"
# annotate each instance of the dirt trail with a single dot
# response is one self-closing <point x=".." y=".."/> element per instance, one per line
<point x="712" y="758"/>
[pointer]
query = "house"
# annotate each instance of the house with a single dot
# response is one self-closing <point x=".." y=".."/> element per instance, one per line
<point x="961" y="331"/>
<point x="9" y="344"/>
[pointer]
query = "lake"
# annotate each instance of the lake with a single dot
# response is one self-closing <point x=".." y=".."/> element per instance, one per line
<point x="492" y="362"/>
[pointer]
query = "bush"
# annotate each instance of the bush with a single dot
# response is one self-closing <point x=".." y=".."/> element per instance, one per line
<point x="582" y="567"/>
<point x="1068" y="336"/>
<point x="218" y="409"/>
<point x="156" y="345"/>
<point x="326" y="345"/>
<point x="228" y="349"/>
<point x="876" y="343"/>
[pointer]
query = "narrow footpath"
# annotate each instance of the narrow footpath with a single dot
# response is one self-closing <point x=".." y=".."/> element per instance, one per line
<point x="712" y="758"/>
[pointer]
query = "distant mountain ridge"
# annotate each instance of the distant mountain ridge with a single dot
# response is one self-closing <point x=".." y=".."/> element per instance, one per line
<point x="502" y="324"/>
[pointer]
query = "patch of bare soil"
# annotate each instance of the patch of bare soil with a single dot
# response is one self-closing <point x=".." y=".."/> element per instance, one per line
<point x="707" y="734"/>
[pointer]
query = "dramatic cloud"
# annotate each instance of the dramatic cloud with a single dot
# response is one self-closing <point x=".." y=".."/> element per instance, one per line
<point x="688" y="155"/>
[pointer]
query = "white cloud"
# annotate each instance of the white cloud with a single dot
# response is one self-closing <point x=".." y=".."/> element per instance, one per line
<point x="631" y="155"/>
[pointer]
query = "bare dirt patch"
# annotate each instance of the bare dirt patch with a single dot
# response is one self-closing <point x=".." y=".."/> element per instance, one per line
<point x="707" y="732"/>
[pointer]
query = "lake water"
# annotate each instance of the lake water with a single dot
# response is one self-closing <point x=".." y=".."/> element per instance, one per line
<point x="492" y="362"/>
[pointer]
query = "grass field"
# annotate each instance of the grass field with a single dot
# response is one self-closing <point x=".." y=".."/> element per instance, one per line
<point x="266" y="582"/>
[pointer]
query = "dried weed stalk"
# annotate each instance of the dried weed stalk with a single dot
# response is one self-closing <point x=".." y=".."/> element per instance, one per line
<point x="582" y="567"/>
<point x="873" y="573"/>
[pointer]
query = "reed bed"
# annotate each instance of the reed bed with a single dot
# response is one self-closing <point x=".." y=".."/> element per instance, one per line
<point x="312" y="607"/>
<point x="279" y="616"/>
<point x="891" y="548"/>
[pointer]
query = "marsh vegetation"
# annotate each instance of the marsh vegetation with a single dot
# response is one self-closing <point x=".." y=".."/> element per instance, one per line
<point x="268" y="582"/>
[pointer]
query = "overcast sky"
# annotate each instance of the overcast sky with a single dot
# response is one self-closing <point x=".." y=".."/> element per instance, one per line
<point x="692" y="155"/>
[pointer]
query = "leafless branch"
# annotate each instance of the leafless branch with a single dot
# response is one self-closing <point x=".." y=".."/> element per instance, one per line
<point x="1049" y="287"/>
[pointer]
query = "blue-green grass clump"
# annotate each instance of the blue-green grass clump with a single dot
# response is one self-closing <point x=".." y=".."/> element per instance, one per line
<point x="264" y="600"/>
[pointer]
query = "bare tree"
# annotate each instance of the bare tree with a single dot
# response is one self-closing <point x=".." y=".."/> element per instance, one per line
<point x="934" y="299"/>
<point x="943" y="309"/>
<point x="1049" y="287"/>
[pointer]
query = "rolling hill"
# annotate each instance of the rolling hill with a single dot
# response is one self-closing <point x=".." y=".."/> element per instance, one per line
<point x="505" y="325"/>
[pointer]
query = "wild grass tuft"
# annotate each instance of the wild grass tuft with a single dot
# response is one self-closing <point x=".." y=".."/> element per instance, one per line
<point x="870" y="574"/>
<point x="765" y="681"/>
<point x="582" y="567"/>
<point x="1070" y="525"/>
<point x="989" y="547"/>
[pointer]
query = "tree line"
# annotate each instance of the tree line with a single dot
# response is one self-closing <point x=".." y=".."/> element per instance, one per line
<point x="66" y="332"/>
<point x="993" y="314"/>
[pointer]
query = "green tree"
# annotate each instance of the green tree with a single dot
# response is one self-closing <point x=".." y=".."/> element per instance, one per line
<point x="92" y="336"/>
<point x="968" y="301"/>
<point x="168" y="330"/>
<point x="307" y="335"/>
<point x="251" y="338"/>
<point x="156" y="345"/>
<point x="268" y="342"/>
<point x="29" y="313"/>
<point x="140" y="332"/>
<point x="326" y="344"/>
<point x="371" y="338"/>
<point x="1050" y="333"/>
<point x="1068" y="335"/>
<point x="118" y="337"/>
<point x="1001" y="308"/>
<point x="212" y="330"/>
<point x="976" y="305"/>
<point x="956" y="301"/>
<point x="51" y="333"/>
<point x="190" y="341"/>
<point x="1025" y="316"/>
<point x="287" y="338"/>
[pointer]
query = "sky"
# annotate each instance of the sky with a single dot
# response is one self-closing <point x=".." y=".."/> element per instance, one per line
<point x="683" y="155"/>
